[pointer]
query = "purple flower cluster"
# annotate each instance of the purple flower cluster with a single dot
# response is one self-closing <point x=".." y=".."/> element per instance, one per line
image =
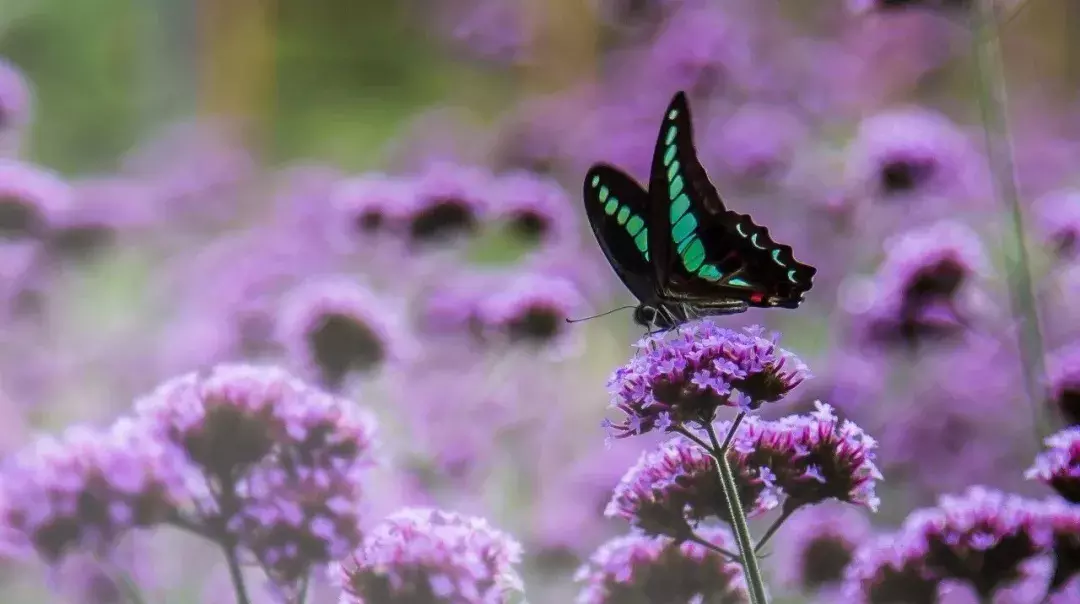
<point x="816" y="545"/>
<point x="1059" y="466"/>
<point x="1063" y="373"/>
<point x="279" y="464"/>
<point x="639" y="568"/>
<point x="799" y="460"/>
<point x="428" y="555"/>
<point x="85" y="490"/>
<point x="683" y="379"/>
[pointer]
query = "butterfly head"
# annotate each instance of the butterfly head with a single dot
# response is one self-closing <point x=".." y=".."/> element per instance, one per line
<point x="659" y="317"/>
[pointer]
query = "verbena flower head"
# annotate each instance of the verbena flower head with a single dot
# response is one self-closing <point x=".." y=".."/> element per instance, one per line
<point x="372" y="204"/>
<point x="102" y="209"/>
<point x="531" y="307"/>
<point x="1059" y="466"/>
<point x="450" y="201"/>
<point x="423" y="555"/>
<point x="675" y="486"/>
<point x="816" y="544"/>
<point x="982" y="537"/>
<point x="1064" y="523"/>
<point x="15" y="108"/>
<point x="30" y="200"/>
<point x="1063" y="373"/>
<point x="332" y="327"/>
<point x="888" y="570"/>
<point x="637" y="569"/>
<point x="683" y="377"/>
<point x="280" y="461"/>
<point x="1057" y="217"/>
<point x="919" y="290"/>
<point x="866" y="6"/>
<point x="86" y="489"/>
<point x="535" y="209"/>
<point x="912" y="153"/>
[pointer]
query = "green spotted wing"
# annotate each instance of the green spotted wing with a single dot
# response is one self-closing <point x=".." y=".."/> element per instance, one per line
<point x="617" y="207"/>
<point x="703" y="253"/>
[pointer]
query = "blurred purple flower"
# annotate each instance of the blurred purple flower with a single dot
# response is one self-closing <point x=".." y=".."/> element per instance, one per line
<point x="31" y="199"/>
<point x="22" y="279"/>
<point x="684" y="376"/>
<point x="333" y="327"/>
<point x="638" y="568"/>
<point x="427" y="555"/>
<point x="1063" y="372"/>
<point x="1059" y="466"/>
<point x="914" y="153"/>
<point x="816" y="544"/>
<point x="865" y="6"/>
<point x="85" y="490"/>
<point x="981" y="537"/>
<point x="922" y="290"/>
<point x="675" y="486"/>
<point x="757" y="143"/>
<point x="813" y="457"/>
<point x="281" y="463"/>
<point x="620" y="131"/>
<point x="536" y="209"/>
<point x="1064" y="521"/>
<point x="103" y="209"/>
<point x="15" y="108"/>
<point x="1057" y="216"/>
<point x="372" y="204"/>
<point x="888" y="570"/>
<point x="529" y="308"/>
<point x="449" y="201"/>
<point x="494" y="31"/>
<point x="533" y="135"/>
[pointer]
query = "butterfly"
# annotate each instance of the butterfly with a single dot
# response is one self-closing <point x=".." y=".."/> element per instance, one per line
<point x="677" y="247"/>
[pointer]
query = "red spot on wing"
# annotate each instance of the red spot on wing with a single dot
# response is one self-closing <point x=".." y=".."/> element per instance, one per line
<point x="757" y="297"/>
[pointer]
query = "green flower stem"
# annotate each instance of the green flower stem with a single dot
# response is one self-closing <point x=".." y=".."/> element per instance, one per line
<point x="738" y="519"/>
<point x="991" y="79"/>
<point x="236" y="574"/>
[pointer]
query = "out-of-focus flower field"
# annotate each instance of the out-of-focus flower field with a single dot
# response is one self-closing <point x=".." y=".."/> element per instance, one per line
<point x="283" y="289"/>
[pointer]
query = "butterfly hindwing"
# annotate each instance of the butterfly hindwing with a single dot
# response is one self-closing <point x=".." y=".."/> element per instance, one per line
<point x="708" y="254"/>
<point x="617" y="208"/>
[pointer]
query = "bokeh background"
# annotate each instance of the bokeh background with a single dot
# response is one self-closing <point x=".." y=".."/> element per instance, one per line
<point x="189" y="183"/>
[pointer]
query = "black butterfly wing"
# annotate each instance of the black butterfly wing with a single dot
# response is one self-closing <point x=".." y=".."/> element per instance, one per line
<point x="617" y="207"/>
<point x="707" y="254"/>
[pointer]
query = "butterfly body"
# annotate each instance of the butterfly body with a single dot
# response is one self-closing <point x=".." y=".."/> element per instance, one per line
<point x="677" y="247"/>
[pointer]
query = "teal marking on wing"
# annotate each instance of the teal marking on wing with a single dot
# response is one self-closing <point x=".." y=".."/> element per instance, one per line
<point x="684" y="244"/>
<point x="674" y="113"/>
<point x="679" y="207"/>
<point x="624" y="215"/>
<point x="753" y="240"/>
<point x="710" y="273"/>
<point x="604" y="192"/>
<point x="634" y="225"/>
<point x="791" y="276"/>
<point x="642" y="242"/>
<point x="738" y="283"/>
<point x="669" y="156"/>
<point x="738" y="227"/>
<point x="675" y="187"/>
<point x="672" y="170"/>
<point x="776" y="257"/>
<point x="684" y="228"/>
<point x="612" y="205"/>
<point x="694" y="256"/>
<point x="670" y="135"/>
<point x="596" y="181"/>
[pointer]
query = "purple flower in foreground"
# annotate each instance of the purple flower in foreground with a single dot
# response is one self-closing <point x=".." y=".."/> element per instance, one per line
<point x="637" y="569"/>
<point x="535" y="209"/>
<point x="1059" y="466"/>
<point x="86" y="489"/>
<point x="1057" y="217"/>
<point x="816" y="544"/>
<point x="982" y="537"/>
<point x="1063" y="373"/>
<point x="919" y="291"/>
<point x="674" y="487"/>
<point x="280" y="462"/>
<point x="15" y="108"/>
<point x="814" y="457"/>
<point x="334" y="327"/>
<point x="888" y="570"/>
<point x="427" y="556"/>
<point x="30" y="200"/>
<point x="683" y="377"/>
<point x="450" y="200"/>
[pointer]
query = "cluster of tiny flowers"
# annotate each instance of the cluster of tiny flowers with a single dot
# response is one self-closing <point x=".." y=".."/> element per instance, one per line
<point x="640" y="568"/>
<point x="1064" y="522"/>
<point x="422" y="555"/>
<point x="816" y="545"/>
<point x="281" y="463"/>
<point x="85" y="490"/>
<point x="1059" y="465"/>
<point x="684" y="378"/>
<point x="814" y="457"/>
<point x="982" y="538"/>
<point x="675" y="486"/>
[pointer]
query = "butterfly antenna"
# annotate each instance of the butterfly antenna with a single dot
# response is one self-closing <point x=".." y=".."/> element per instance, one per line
<point x="603" y="314"/>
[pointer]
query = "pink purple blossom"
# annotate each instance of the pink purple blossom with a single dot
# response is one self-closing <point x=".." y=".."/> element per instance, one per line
<point x="1059" y="466"/>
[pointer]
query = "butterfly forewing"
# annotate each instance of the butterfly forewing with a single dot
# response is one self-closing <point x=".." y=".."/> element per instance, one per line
<point x="617" y="209"/>
<point x="704" y="253"/>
